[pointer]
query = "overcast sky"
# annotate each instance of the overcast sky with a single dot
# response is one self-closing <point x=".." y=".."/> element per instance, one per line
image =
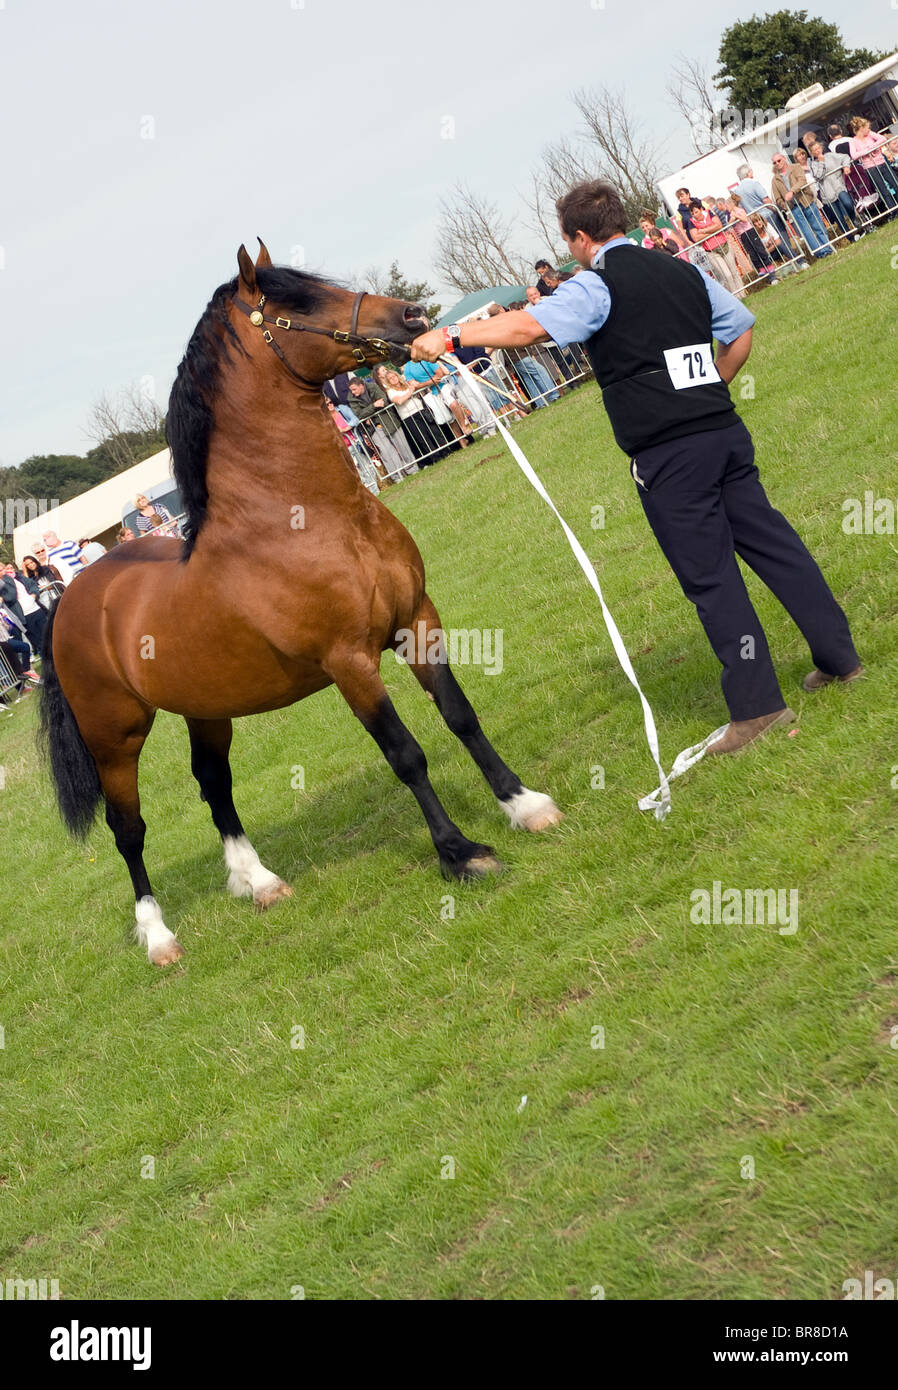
<point x="143" y="140"/>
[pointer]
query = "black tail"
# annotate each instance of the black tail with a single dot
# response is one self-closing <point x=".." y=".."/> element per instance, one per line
<point x="74" y="771"/>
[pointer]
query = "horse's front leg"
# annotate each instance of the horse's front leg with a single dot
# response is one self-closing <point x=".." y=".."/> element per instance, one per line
<point x="357" y="677"/>
<point x="526" y="809"/>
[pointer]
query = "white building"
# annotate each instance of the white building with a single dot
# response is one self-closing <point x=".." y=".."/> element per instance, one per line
<point x="714" y="174"/>
<point x="98" y="512"/>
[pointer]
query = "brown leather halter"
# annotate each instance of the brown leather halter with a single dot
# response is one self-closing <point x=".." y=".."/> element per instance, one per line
<point x="361" y="346"/>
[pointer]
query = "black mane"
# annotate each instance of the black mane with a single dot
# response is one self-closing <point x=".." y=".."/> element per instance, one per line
<point x="188" y="424"/>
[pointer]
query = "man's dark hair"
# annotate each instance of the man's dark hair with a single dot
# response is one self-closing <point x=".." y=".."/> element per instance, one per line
<point x="540" y="264"/>
<point x="835" y="129"/>
<point x="594" y="208"/>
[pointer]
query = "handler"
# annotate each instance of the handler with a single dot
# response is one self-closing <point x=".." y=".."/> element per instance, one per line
<point x="647" y="323"/>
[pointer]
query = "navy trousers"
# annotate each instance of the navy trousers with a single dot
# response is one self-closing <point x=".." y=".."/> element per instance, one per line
<point x="705" y="503"/>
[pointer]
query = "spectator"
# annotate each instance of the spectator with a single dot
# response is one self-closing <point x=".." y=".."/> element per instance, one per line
<point x="125" y="534"/>
<point x="27" y="602"/>
<point x="828" y="171"/>
<point x="683" y="208"/>
<point x="405" y="395"/>
<point x="382" y="427"/>
<point x="16" y="649"/>
<point x="9" y="593"/>
<point x="793" y="196"/>
<point x="532" y="294"/>
<point x="648" y="226"/>
<point x="866" y="145"/>
<point x="472" y="398"/>
<point x="342" y="417"/>
<point x="441" y="400"/>
<point x="91" y="551"/>
<point x="478" y="360"/>
<point x="720" y="257"/>
<point x="537" y="383"/>
<point x="150" y="514"/>
<point x="654" y="241"/>
<point x="554" y="278"/>
<point x="839" y="142"/>
<point x="47" y="577"/>
<point x="65" y="555"/>
<point x="541" y="268"/>
<point x="802" y="159"/>
<point x="750" y="240"/>
<point x="774" y="248"/>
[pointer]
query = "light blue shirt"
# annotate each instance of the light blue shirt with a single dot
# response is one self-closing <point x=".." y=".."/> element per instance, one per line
<point x="421" y="371"/>
<point x="580" y="306"/>
<point x="752" y="193"/>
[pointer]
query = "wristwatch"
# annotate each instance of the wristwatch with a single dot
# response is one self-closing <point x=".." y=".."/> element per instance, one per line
<point x="451" y="334"/>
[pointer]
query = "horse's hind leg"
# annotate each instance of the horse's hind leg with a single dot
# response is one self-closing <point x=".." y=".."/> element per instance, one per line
<point x="527" y="810"/>
<point x="117" y="768"/>
<point x="210" y="742"/>
<point x="357" y="677"/>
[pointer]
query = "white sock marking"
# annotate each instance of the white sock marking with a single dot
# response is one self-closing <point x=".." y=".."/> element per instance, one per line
<point x="151" y="930"/>
<point x="527" y="806"/>
<point x="248" y="876"/>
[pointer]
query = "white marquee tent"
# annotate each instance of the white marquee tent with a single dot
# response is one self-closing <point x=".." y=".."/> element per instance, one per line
<point x="96" y="513"/>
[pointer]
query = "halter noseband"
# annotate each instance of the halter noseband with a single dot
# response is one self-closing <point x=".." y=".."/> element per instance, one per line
<point x="361" y="344"/>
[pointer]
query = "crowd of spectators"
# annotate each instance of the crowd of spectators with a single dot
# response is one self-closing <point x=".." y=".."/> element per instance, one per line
<point x="834" y="188"/>
<point x="26" y="594"/>
<point x="397" y="421"/>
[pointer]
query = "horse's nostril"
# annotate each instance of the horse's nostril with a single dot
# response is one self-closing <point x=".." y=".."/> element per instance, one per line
<point x="415" y="314"/>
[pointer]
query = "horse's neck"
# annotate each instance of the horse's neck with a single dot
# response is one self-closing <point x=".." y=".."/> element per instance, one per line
<point x="270" y="456"/>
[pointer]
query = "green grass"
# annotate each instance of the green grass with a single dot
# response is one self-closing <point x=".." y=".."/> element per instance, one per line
<point x="321" y="1166"/>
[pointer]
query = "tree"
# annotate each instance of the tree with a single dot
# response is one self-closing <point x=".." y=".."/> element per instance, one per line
<point x="609" y="146"/>
<point x="474" y="247"/>
<point x="765" y="61"/>
<point x="125" y="424"/>
<point x="691" y="90"/>
<point x="395" y="286"/>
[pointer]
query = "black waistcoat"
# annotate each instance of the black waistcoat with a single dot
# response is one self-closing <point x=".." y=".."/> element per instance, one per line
<point x="657" y="304"/>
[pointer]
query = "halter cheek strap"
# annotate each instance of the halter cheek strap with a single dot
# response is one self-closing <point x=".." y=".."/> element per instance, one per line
<point x="361" y="346"/>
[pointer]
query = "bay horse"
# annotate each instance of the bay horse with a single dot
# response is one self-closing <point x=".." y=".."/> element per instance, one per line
<point x="291" y="577"/>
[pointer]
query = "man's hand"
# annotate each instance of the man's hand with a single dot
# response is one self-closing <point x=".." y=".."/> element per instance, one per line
<point x="429" y="347"/>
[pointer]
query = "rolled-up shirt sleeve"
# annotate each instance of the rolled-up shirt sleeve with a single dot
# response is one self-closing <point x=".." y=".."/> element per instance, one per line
<point x="729" y="316"/>
<point x="576" y="310"/>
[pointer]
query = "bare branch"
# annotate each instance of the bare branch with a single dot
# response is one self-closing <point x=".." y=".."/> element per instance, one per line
<point x="692" y="93"/>
<point x="475" y="249"/>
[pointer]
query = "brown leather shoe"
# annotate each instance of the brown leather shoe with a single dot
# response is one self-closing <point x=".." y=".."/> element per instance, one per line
<point x="818" y="679"/>
<point x="741" y="732"/>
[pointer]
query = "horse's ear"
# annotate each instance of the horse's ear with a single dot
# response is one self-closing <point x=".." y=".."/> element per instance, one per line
<point x="247" y="273"/>
<point x="263" y="260"/>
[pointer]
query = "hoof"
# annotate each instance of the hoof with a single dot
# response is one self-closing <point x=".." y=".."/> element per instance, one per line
<point x="167" y="953"/>
<point x="533" y="811"/>
<point x="479" y="865"/>
<point x="264" y="897"/>
<point x="541" y="820"/>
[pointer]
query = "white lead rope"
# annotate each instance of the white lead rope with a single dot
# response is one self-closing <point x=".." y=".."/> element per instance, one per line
<point x="658" y="800"/>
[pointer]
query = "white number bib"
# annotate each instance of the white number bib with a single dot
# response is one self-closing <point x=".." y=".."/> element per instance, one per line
<point x="691" y="366"/>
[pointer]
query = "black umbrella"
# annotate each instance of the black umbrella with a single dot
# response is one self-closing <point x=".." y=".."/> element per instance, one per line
<point x="879" y="89"/>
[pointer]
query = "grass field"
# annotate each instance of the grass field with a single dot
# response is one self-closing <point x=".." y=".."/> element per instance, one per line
<point x="727" y="1049"/>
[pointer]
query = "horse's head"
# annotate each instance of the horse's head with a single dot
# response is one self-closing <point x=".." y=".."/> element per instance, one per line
<point x="316" y="329"/>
